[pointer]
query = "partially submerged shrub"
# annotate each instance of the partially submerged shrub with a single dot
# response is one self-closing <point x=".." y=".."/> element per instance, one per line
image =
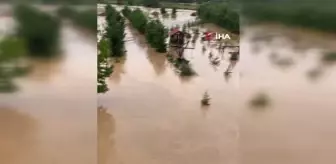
<point x="329" y="58"/>
<point x="261" y="100"/>
<point x="206" y="99"/>
<point x="39" y="30"/>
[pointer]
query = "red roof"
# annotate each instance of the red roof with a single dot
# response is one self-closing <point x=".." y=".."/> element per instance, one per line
<point x="174" y="31"/>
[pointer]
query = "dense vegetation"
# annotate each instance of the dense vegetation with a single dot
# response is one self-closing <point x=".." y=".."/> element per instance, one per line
<point x="115" y="31"/>
<point x="320" y="15"/>
<point x="103" y="66"/>
<point x="154" y="30"/>
<point x="138" y="20"/>
<point x="86" y="19"/>
<point x="156" y="35"/>
<point x="220" y="14"/>
<point x="151" y="3"/>
<point x="11" y="51"/>
<point x="39" y="30"/>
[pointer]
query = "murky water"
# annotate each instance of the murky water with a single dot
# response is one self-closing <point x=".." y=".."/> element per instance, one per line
<point x="52" y="118"/>
<point x="155" y="116"/>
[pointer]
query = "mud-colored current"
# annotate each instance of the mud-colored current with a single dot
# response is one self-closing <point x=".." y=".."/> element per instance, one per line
<point x="51" y="119"/>
<point x="157" y="118"/>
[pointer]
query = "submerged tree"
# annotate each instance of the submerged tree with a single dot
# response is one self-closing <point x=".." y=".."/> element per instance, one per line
<point x="39" y="30"/>
<point x="103" y="66"/>
<point x="115" y="31"/>
<point x="156" y="35"/>
<point x="11" y="51"/>
<point x="174" y="11"/>
<point x="163" y="10"/>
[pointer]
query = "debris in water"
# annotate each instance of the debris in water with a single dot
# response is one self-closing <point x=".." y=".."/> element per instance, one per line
<point x="314" y="74"/>
<point x="261" y="100"/>
<point x="203" y="48"/>
<point x="206" y="99"/>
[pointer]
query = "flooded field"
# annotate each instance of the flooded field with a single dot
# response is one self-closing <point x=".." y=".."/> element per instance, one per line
<point x="154" y="116"/>
<point x="51" y="119"/>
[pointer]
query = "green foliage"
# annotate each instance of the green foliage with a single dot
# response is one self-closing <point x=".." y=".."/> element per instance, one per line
<point x="329" y="58"/>
<point x="65" y="11"/>
<point x="11" y="51"/>
<point x="39" y="30"/>
<point x="138" y="20"/>
<point x="151" y="3"/>
<point x="156" y="35"/>
<point x="86" y="19"/>
<point x="321" y="15"/>
<point x="126" y="11"/>
<point x="103" y="66"/>
<point x="221" y="14"/>
<point x="154" y="30"/>
<point x="173" y="11"/>
<point x="182" y="66"/>
<point x="130" y="2"/>
<point x="115" y="31"/>
<point x="163" y="10"/>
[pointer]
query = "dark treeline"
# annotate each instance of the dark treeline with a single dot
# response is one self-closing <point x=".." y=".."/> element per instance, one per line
<point x="220" y="14"/>
<point x="318" y="15"/>
<point x="115" y="31"/>
<point x="39" y="30"/>
<point x="154" y="30"/>
<point x="86" y="19"/>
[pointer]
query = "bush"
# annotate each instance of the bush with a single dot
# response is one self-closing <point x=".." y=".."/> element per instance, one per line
<point x="156" y="35"/>
<point x="104" y="69"/>
<point x="154" y="30"/>
<point x="163" y="10"/>
<point x="39" y="30"/>
<point x="220" y="14"/>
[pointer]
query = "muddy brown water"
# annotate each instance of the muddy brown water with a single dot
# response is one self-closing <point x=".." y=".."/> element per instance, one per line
<point x="157" y="117"/>
<point x="51" y="119"/>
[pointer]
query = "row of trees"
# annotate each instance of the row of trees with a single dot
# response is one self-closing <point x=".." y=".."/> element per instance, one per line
<point x="11" y="51"/>
<point x="86" y="19"/>
<point x="156" y="35"/>
<point x="115" y="31"/>
<point x="103" y="66"/>
<point x="112" y="44"/>
<point x="40" y="31"/>
<point x="154" y="30"/>
<point x="220" y="14"/>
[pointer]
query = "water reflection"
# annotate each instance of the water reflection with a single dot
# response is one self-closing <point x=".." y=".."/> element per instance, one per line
<point x="157" y="60"/>
<point x="17" y="136"/>
<point x="106" y="143"/>
<point x="118" y="69"/>
<point x="44" y="69"/>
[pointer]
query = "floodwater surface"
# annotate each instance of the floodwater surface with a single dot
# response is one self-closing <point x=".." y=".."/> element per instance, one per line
<point x="51" y="119"/>
<point x="154" y="116"/>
